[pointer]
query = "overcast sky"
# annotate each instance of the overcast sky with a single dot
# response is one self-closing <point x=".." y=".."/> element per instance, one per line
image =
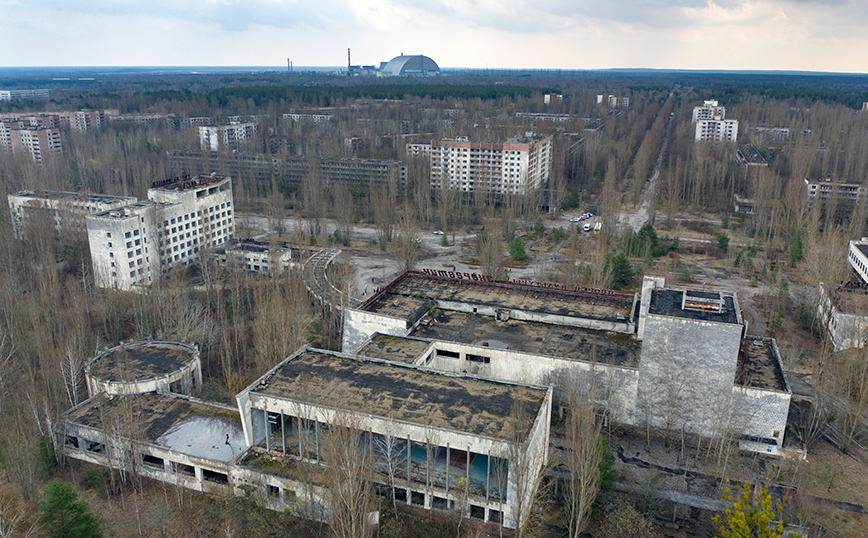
<point x="812" y="35"/>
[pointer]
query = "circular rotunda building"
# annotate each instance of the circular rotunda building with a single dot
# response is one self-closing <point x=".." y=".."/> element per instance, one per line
<point x="411" y="66"/>
<point x="142" y="367"/>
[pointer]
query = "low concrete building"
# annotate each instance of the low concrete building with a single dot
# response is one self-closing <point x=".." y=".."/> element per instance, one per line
<point x="843" y="311"/>
<point x="142" y="367"/>
<point x="445" y="428"/>
<point x="681" y="361"/>
<point x="442" y="431"/>
<point x="264" y="257"/>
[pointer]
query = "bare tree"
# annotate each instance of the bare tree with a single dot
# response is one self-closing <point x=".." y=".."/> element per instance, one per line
<point x="388" y="447"/>
<point x="406" y="246"/>
<point x="72" y="368"/>
<point x="348" y="474"/>
<point x="583" y="453"/>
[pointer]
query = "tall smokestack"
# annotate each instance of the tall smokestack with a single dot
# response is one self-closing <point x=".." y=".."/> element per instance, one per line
<point x="349" y="64"/>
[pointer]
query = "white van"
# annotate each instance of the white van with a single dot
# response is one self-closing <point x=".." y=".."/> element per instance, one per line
<point x="587" y="227"/>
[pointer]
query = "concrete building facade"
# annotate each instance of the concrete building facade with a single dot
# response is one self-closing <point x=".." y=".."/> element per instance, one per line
<point x="63" y="210"/>
<point x="857" y="255"/>
<point x="843" y="311"/>
<point x="681" y="362"/>
<point x="428" y="432"/>
<point x="519" y="166"/>
<point x="37" y="142"/>
<point x="711" y="124"/>
<point x="142" y="367"/>
<point x="131" y="247"/>
<point x="230" y="136"/>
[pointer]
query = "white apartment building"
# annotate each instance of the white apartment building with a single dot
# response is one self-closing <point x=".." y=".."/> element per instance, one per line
<point x="61" y="209"/>
<point x="517" y="166"/>
<point x="716" y="131"/>
<point x="132" y="246"/>
<point x="214" y="137"/>
<point x="858" y="257"/>
<point x="710" y="110"/>
<point x="38" y="142"/>
<point x="315" y="118"/>
<point x="419" y="150"/>
<point x="712" y="125"/>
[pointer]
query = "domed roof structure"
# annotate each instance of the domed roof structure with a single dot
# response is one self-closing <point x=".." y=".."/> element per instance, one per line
<point x="410" y="66"/>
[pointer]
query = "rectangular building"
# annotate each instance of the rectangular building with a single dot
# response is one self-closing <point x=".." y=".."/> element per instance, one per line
<point x="37" y="142"/>
<point x="834" y="199"/>
<point x="725" y="131"/>
<point x="64" y="210"/>
<point x="843" y="311"/>
<point x="445" y="428"/>
<point x="230" y="136"/>
<point x="290" y="172"/>
<point x="681" y="362"/>
<point x="518" y="166"/>
<point x="133" y="246"/>
<point x="857" y="255"/>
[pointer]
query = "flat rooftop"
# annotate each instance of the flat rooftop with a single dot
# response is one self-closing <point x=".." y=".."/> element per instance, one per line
<point x="852" y="298"/>
<point x="425" y="397"/>
<point x="670" y="302"/>
<point x="76" y="196"/>
<point x="181" y="183"/>
<point x="142" y="360"/>
<point x="410" y="293"/>
<point x="394" y="348"/>
<point x="537" y="338"/>
<point x="169" y="421"/>
<point x="759" y="365"/>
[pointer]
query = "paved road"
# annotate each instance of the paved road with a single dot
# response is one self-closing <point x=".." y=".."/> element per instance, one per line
<point x="641" y="216"/>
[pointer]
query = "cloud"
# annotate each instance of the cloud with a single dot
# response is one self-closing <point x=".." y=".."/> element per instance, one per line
<point x="231" y="15"/>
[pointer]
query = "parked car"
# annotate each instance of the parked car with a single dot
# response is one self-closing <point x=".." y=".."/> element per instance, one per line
<point x="575" y="219"/>
<point x="587" y="227"/>
<point x="438" y="232"/>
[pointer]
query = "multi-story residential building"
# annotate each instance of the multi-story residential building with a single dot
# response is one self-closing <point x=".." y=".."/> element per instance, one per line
<point x="230" y="136"/>
<point x="64" y="210"/>
<point x="613" y="101"/>
<point x="38" y="142"/>
<point x="710" y="110"/>
<point x="419" y="150"/>
<point x="834" y="199"/>
<point x="133" y="245"/>
<point x="290" y="172"/>
<point x="857" y="255"/>
<point x="315" y="118"/>
<point x="518" y="166"/>
<point x="85" y="120"/>
<point x="716" y="131"/>
<point x="7" y="95"/>
<point x="712" y="125"/>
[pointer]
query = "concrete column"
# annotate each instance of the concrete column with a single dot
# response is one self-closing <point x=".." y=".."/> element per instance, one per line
<point x="283" y="432"/>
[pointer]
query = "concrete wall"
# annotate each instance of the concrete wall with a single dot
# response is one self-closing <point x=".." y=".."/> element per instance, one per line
<point x="359" y="326"/>
<point x="762" y="414"/>
<point x="686" y="372"/>
<point x="540" y="317"/>
<point x="615" y="386"/>
<point x="846" y="330"/>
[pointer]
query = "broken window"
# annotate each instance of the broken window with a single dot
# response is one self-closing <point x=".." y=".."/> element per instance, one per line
<point x="274" y="491"/>
<point x="181" y="468"/>
<point x="72" y="441"/>
<point x="478" y="358"/>
<point x="93" y="446"/>
<point x="450" y="354"/>
<point x="214" y="476"/>
<point x="477" y="512"/>
<point x="152" y="461"/>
